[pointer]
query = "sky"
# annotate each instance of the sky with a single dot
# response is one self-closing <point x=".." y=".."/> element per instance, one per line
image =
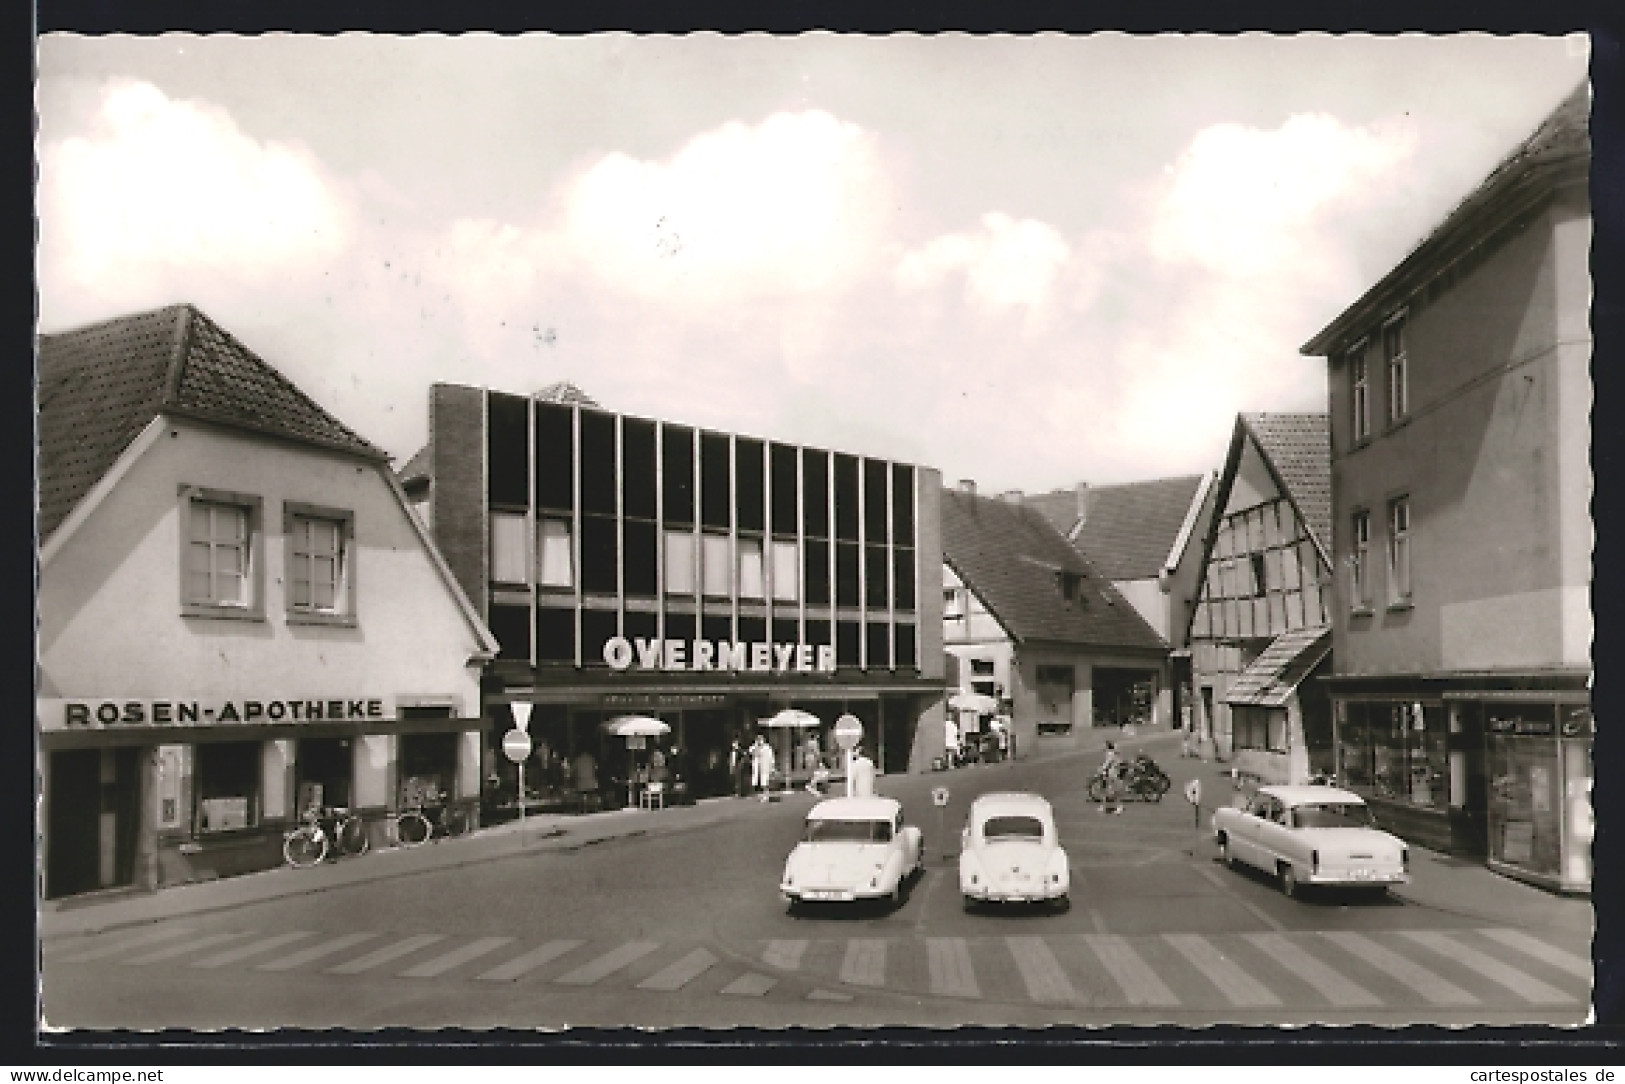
<point x="1025" y="261"/>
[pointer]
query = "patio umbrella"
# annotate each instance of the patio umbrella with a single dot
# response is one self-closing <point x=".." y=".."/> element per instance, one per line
<point x="791" y="717"/>
<point x="636" y="726"/>
<point x="978" y="702"/>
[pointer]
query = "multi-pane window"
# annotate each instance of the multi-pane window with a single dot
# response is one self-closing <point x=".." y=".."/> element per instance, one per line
<point x="786" y="572"/>
<point x="555" y="559"/>
<point x="714" y="565"/>
<point x="1360" y="560"/>
<point x="750" y="568"/>
<point x="510" y="551"/>
<point x="1399" y="550"/>
<point x="1393" y="352"/>
<point x="679" y="563"/>
<point x="316" y="560"/>
<point x="218" y="551"/>
<point x="1360" y="392"/>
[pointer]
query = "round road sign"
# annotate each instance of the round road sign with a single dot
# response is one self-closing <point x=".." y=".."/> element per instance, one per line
<point x="848" y="731"/>
<point x="1193" y="792"/>
<point x="939" y="795"/>
<point x="516" y="745"/>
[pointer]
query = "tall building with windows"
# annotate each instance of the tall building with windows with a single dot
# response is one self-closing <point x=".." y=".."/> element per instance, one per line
<point x="708" y="579"/>
<point x="1460" y="400"/>
<point x="1260" y="632"/>
<point x="238" y="614"/>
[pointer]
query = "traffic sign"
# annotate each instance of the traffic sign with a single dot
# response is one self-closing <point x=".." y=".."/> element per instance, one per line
<point x="848" y="732"/>
<point x="939" y="796"/>
<point x="1193" y="792"/>
<point x="516" y="745"/>
<point x="521" y="714"/>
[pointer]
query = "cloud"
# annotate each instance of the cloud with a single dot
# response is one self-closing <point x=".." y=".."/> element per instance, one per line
<point x="159" y="187"/>
<point x="1007" y="262"/>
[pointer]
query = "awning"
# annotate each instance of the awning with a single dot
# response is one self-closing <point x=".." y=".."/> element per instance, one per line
<point x="1274" y="676"/>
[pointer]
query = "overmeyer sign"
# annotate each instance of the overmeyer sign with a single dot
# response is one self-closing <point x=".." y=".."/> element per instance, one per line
<point x="657" y="654"/>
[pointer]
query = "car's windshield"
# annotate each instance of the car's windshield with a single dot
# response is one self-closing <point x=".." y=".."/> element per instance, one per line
<point x="834" y="831"/>
<point x="1012" y="827"/>
<point x="1333" y="815"/>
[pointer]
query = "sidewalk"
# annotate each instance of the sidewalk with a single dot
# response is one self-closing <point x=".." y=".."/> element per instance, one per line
<point x="539" y="834"/>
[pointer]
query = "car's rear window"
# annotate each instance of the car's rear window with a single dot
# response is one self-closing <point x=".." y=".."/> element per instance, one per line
<point x="1013" y="827"/>
<point x="833" y="831"/>
<point x="1333" y="815"/>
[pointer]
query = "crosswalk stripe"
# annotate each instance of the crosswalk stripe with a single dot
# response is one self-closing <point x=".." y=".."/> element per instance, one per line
<point x="785" y="955"/>
<point x="1040" y="970"/>
<point x="1418" y="978"/>
<point x="172" y="951"/>
<point x="232" y="956"/>
<point x="1328" y="983"/>
<point x="865" y="962"/>
<point x="530" y="961"/>
<point x="1524" y="985"/>
<point x="316" y="952"/>
<point x="608" y="964"/>
<point x="680" y="974"/>
<point x="948" y="959"/>
<point x="384" y="955"/>
<point x="442" y="964"/>
<point x="1138" y="982"/>
<point x="1565" y="961"/>
<point x="1240" y="988"/>
<point x="148" y="938"/>
<point x="750" y="984"/>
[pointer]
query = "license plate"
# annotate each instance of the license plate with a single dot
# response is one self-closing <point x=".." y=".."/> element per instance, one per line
<point x="823" y="895"/>
<point x="1364" y="874"/>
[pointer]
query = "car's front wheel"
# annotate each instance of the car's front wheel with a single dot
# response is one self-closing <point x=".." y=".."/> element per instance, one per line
<point x="1289" y="881"/>
<point x="1225" y="855"/>
<point x="1062" y="904"/>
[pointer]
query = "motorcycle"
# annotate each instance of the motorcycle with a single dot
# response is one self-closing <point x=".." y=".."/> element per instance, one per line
<point x="1140" y="777"/>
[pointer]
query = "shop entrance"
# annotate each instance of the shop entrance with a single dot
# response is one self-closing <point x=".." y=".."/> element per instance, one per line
<point x="1124" y="697"/>
<point x="94" y="816"/>
<point x="323" y="770"/>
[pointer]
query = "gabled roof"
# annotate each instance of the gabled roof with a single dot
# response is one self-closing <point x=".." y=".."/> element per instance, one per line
<point x="1271" y="679"/>
<point x="1128" y="530"/>
<point x="1298" y="449"/>
<point x="1014" y="560"/>
<point x="1560" y="147"/>
<point x="100" y="386"/>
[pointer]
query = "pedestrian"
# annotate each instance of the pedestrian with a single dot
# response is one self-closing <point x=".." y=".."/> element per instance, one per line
<point x="738" y="766"/>
<point x="1111" y="767"/>
<point x="586" y="773"/>
<point x="862" y="783"/>
<point x="761" y="766"/>
<point x="1003" y="740"/>
<point x="950" y="742"/>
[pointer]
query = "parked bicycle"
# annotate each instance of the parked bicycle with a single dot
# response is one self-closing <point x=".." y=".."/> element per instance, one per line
<point x="328" y="833"/>
<point x="425" y="821"/>
<point x="1140" y="778"/>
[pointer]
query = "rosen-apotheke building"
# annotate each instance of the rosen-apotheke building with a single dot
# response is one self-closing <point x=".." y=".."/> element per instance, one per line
<point x="634" y="566"/>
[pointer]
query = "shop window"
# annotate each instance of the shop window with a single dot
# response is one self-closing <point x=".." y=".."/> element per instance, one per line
<point x="1393" y="352"/>
<point x="510" y="553"/>
<point x="1525" y="800"/>
<point x="511" y="626"/>
<point x="228" y="785"/>
<point x="555" y="634"/>
<point x="716" y="485"/>
<point x="815" y="493"/>
<point x="815" y="563"/>
<point x="221" y="573"/>
<point x="428" y="769"/>
<point x="677" y="475"/>
<point x="555" y="556"/>
<point x="1258" y="728"/>
<point x="749" y="499"/>
<point x="555" y="457"/>
<point x="750" y="568"/>
<point x="320" y="552"/>
<point x="324" y="769"/>
<point x="507" y="449"/>
<point x="714" y="566"/>
<point x="638" y="468"/>
<point x="878" y="645"/>
<point x="876" y="513"/>
<point x="786" y="572"/>
<point x="902" y="505"/>
<point x="876" y="591"/>
<point x="639" y="560"/>
<point x="598" y="555"/>
<point x="846" y="573"/>
<point x="598" y="462"/>
<point x="679" y="563"/>
<point x="903" y="578"/>
<point x="1399" y="551"/>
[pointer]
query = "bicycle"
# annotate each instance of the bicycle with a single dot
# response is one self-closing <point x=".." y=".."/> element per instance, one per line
<point x="421" y="823"/>
<point x="327" y="833"/>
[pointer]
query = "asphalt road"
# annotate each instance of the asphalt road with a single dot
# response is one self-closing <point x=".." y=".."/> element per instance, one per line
<point x="688" y="929"/>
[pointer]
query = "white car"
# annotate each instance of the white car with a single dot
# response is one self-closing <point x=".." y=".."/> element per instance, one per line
<point x="1009" y="852"/>
<point x="1312" y="835"/>
<point x="853" y="849"/>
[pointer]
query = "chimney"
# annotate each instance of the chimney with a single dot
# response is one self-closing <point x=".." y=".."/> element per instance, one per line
<point x="1011" y="496"/>
<point x="967" y="486"/>
<point x="1083" y="502"/>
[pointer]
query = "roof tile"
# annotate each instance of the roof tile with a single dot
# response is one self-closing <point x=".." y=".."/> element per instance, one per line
<point x="1299" y="447"/>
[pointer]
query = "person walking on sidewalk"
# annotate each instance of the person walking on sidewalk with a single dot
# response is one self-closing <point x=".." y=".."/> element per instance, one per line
<point x="1111" y="770"/>
<point x="761" y="766"/>
<point x="738" y="766"/>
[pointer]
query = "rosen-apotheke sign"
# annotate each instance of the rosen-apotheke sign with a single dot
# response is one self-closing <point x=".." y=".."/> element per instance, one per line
<point x="94" y="714"/>
<point x="691" y="655"/>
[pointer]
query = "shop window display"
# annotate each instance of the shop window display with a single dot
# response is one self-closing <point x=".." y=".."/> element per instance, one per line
<point x="228" y="786"/>
<point x="1525" y="812"/>
<point x="1396" y="751"/>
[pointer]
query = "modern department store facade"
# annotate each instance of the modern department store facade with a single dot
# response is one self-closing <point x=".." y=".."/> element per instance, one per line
<point x="709" y="579"/>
